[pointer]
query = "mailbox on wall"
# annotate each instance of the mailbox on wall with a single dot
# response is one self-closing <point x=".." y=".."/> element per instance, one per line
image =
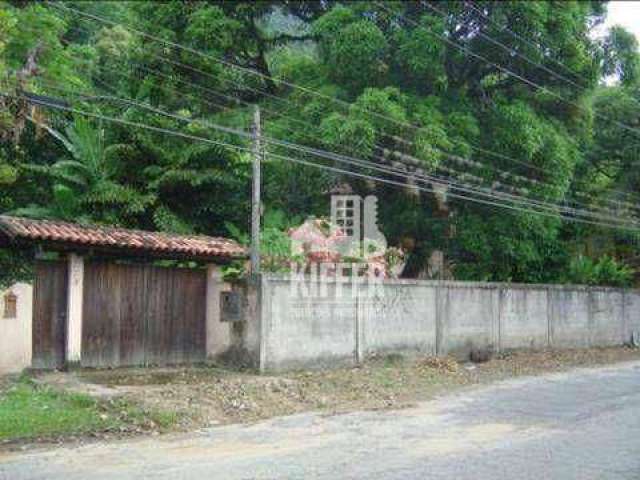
<point x="231" y="307"/>
<point x="10" y="305"/>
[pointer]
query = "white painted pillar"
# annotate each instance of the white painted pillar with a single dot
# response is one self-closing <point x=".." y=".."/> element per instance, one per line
<point x="25" y="316"/>
<point x="218" y="333"/>
<point x="74" y="309"/>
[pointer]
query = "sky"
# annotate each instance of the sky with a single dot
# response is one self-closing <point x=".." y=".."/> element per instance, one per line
<point x="626" y="13"/>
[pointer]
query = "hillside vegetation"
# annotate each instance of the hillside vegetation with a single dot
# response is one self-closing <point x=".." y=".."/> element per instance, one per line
<point x="501" y="105"/>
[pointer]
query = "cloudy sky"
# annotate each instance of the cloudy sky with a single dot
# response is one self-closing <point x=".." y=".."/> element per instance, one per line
<point x="626" y="14"/>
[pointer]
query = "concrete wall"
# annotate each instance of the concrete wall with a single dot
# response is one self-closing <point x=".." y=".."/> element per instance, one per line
<point x="631" y="307"/>
<point x="15" y="333"/>
<point x="318" y="329"/>
<point x="523" y="318"/>
<point x="310" y="324"/>
<point x="233" y="342"/>
<point x="569" y="318"/>
<point x="606" y="318"/>
<point x="218" y="333"/>
<point x="467" y="318"/>
<point x="398" y="317"/>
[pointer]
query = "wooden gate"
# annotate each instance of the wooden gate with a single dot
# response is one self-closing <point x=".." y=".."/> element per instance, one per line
<point x="142" y="315"/>
<point x="49" y="314"/>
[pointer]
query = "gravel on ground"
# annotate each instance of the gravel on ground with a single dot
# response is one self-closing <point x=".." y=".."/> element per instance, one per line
<point x="205" y="396"/>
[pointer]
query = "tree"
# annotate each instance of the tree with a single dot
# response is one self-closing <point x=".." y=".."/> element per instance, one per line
<point x="409" y="95"/>
<point x="85" y="186"/>
<point x="621" y="56"/>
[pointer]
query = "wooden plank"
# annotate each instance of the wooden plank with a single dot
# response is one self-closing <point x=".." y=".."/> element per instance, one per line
<point x="196" y="315"/>
<point x="133" y="316"/>
<point x="49" y="314"/>
<point x="176" y="316"/>
<point x="200" y="341"/>
<point x="191" y="321"/>
<point x="175" y="320"/>
<point x="101" y="314"/>
<point x="172" y="318"/>
<point x="184" y="301"/>
<point x="156" y="348"/>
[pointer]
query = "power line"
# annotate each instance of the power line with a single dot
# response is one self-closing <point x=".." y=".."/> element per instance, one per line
<point x="392" y="170"/>
<point x="453" y="195"/>
<point x="155" y="72"/>
<point x="316" y="165"/>
<point x="351" y="160"/>
<point x="304" y="89"/>
<point x="440" y="180"/>
<point x="292" y="85"/>
<point x="511" y="73"/>
<point x="452" y="183"/>
<point x="306" y="124"/>
<point x="510" y="50"/>
<point x="514" y="51"/>
<point x="523" y="39"/>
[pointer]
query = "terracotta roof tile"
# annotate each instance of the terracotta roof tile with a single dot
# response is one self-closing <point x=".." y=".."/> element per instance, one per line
<point x="24" y="229"/>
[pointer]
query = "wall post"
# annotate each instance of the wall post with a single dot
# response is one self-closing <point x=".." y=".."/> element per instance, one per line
<point x="499" y="326"/>
<point x="75" y="293"/>
<point x="262" y="315"/>
<point x="441" y="290"/>
<point x="549" y="318"/>
<point x="359" y="327"/>
<point x="625" y="328"/>
<point x="590" y="321"/>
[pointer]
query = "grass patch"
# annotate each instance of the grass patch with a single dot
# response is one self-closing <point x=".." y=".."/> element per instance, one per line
<point x="28" y="411"/>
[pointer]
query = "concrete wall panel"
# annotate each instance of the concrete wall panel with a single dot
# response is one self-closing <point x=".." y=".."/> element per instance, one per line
<point x="631" y="315"/>
<point x="334" y="325"/>
<point x="400" y="318"/>
<point x="524" y="321"/>
<point x="309" y="330"/>
<point x="218" y="336"/>
<point x="569" y="318"/>
<point x="468" y="319"/>
<point x="607" y="318"/>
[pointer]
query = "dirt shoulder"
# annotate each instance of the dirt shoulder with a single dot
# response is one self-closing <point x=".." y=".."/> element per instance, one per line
<point x="200" y="397"/>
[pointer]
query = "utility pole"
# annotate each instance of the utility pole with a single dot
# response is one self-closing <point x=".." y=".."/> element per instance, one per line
<point x="255" y="194"/>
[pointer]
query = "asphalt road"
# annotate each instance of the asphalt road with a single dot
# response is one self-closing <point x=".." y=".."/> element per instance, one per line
<point x="584" y="424"/>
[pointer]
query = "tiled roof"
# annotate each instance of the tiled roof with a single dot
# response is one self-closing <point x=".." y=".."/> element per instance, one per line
<point x="135" y="241"/>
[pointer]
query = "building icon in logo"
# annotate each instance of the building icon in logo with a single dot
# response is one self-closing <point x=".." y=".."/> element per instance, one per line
<point x="358" y="221"/>
<point x="349" y="241"/>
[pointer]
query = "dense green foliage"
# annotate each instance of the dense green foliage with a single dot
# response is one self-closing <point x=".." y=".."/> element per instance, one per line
<point x="400" y="87"/>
